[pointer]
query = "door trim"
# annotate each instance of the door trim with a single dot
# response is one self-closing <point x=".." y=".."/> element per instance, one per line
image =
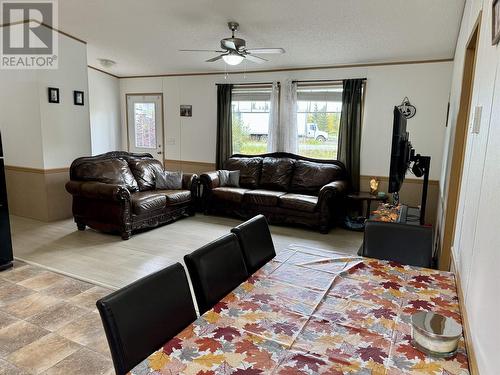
<point x="459" y="145"/>
<point x="162" y="116"/>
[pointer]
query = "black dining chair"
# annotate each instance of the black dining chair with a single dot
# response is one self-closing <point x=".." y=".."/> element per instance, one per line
<point x="256" y="242"/>
<point x="401" y="243"/>
<point x="141" y="317"/>
<point x="215" y="270"/>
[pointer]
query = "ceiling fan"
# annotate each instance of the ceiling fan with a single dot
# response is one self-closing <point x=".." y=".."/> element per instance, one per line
<point x="234" y="50"/>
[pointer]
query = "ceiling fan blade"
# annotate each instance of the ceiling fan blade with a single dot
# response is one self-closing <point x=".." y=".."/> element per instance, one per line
<point x="201" y="50"/>
<point x="265" y="50"/>
<point x="214" y="58"/>
<point x="255" y="59"/>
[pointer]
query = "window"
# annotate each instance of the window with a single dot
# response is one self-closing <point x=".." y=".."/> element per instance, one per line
<point x="250" y="114"/>
<point x="144" y="125"/>
<point x="318" y="120"/>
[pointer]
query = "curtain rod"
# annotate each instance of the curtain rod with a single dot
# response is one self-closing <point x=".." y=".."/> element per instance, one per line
<point x="324" y="80"/>
<point x="247" y="83"/>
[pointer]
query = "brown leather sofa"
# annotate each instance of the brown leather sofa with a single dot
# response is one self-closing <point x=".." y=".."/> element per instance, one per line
<point x="284" y="187"/>
<point x="115" y="192"/>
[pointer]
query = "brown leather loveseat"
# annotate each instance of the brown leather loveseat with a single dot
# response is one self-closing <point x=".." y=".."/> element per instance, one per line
<point x="284" y="187"/>
<point x="116" y="192"/>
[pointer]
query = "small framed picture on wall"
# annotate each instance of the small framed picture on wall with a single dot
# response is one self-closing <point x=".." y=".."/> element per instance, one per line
<point x="495" y="29"/>
<point x="186" y="110"/>
<point x="78" y="98"/>
<point x="53" y="95"/>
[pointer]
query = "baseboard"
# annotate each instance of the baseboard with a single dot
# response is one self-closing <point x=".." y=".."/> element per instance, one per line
<point x="473" y="367"/>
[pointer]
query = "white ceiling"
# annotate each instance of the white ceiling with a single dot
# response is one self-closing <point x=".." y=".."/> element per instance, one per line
<point x="143" y="36"/>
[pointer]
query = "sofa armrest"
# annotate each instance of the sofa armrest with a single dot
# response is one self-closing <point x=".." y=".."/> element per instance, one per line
<point x="98" y="190"/>
<point x="332" y="189"/>
<point x="189" y="181"/>
<point x="210" y="180"/>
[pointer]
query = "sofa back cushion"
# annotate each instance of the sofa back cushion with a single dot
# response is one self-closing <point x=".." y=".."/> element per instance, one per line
<point x="144" y="171"/>
<point x="309" y="177"/>
<point x="109" y="171"/>
<point x="276" y="173"/>
<point x="167" y="180"/>
<point x="250" y="169"/>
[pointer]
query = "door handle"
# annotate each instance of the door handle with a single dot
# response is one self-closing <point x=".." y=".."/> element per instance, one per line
<point x="159" y="152"/>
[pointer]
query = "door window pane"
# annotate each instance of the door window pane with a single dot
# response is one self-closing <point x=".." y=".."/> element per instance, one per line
<point x="144" y="125"/>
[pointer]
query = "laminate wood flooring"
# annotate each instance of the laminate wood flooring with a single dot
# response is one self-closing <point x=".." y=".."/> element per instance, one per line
<point x="109" y="261"/>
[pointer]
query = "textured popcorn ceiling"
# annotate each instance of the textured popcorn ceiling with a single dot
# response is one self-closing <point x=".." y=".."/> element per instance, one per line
<point x="143" y="36"/>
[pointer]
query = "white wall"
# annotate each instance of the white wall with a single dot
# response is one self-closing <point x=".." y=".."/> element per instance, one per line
<point x="475" y="246"/>
<point x="20" y="118"/>
<point x="104" y="104"/>
<point x="65" y="126"/>
<point x="426" y="85"/>
<point x="39" y="134"/>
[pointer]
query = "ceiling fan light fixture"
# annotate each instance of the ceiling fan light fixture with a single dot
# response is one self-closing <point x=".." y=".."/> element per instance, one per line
<point x="233" y="50"/>
<point x="232" y="58"/>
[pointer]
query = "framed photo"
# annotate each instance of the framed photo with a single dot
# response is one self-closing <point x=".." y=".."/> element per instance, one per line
<point x="495" y="29"/>
<point x="186" y="110"/>
<point x="78" y="98"/>
<point x="53" y="95"/>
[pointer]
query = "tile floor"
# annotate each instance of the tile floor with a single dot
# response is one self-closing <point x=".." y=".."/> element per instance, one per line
<point x="49" y="324"/>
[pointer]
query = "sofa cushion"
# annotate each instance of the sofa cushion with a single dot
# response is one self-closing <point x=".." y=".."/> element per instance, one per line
<point x="110" y="171"/>
<point x="167" y="180"/>
<point x="176" y="196"/>
<point x="276" y="173"/>
<point x="250" y="169"/>
<point x="229" y="178"/>
<point x="147" y="201"/>
<point x="299" y="202"/>
<point x="309" y="177"/>
<point x="144" y="171"/>
<point x="263" y="197"/>
<point x="229" y="194"/>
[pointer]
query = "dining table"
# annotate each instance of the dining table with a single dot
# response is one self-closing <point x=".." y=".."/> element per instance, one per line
<point x="314" y="311"/>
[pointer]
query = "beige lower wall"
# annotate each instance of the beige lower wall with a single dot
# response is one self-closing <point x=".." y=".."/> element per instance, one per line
<point x="26" y="193"/>
<point x="38" y="194"/>
<point x="59" y="201"/>
<point x="189" y="166"/>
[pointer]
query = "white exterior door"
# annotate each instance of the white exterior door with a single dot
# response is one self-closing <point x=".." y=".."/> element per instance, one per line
<point x="145" y="124"/>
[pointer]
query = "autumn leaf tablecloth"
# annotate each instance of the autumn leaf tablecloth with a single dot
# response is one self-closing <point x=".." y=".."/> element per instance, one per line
<point x="313" y="311"/>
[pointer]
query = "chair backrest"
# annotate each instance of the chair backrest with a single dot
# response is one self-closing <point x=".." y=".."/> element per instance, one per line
<point x="402" y="243"/>
<point x="141" y="317"/>
<point x="256" y="242"/>
<point x="215" y="270"/>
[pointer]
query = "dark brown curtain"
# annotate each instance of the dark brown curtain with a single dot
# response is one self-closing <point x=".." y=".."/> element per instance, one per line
<point x="224" y="125"/>
<point x="350" y="129"/>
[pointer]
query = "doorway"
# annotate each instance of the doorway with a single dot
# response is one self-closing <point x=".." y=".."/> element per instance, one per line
<point x="459" y="143"/>
<point x="145" y="124"/>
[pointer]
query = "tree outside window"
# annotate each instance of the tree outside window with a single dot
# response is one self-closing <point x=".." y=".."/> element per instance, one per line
<point x="250" y="120"/>
<point x="318" y="120"/>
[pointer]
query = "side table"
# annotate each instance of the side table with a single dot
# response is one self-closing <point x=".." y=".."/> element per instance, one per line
<point x="368" y="198"/>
